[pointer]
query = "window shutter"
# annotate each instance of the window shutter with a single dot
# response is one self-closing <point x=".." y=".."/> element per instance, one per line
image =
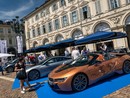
<point x="47" y="27"/>
<point x="77" y="15"/>
<point x="67" y="19"/>
<point x="127" y="1"/>
<point x="109" y="3"/>
<point x="31" y="35"/>
<point x="99" y="6"/>
<point x="71" y="20"/>
<point x="62" y="22"/>
<point x="54" y="24"/>
<point x="81" y="14"/>
<point x="88" y="12"/>
<point x="118" y="3"/>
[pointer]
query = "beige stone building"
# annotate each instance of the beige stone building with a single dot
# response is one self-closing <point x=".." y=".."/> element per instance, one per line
<point x="57" y="20"/>
<point x="6" y="33"/>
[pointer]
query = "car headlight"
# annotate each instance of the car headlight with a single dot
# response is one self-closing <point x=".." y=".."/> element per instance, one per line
<point x="60" y="79"/>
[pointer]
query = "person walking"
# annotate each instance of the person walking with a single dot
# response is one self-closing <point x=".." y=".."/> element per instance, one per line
<point x="84" y="52"/>
<point x="75" y="53"/>
<point x="66" y="52"/>
<point x="1" y="69"/>
<point x="103" y="47"/>
<point x="20" y="66"/>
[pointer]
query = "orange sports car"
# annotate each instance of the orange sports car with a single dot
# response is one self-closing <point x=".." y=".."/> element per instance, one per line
<point x="84" y="71"/>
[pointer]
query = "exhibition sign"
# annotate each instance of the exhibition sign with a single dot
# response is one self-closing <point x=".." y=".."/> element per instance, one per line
<point x="3" y="46"/>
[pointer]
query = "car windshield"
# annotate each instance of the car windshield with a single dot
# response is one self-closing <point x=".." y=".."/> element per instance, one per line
<point x="14" y="61"/>
<point x="43" y="62"/>
<point x="81" y="61"/>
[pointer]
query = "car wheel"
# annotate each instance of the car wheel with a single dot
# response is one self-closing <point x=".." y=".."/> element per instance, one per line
<point x="33" y="75"/>
<point x="126" y="67"/>
<point x="10" y="69"/>
<point x="79" y="82"/>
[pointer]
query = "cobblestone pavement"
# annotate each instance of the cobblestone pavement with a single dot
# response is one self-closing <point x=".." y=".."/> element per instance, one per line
<point x="7" y="92"/>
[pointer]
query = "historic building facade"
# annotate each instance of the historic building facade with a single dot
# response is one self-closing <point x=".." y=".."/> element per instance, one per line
<point x="6" y="33"/>
<point x="57" y="20"/>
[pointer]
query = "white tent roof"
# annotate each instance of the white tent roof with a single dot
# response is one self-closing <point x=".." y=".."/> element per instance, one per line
<point x="5" y="55"/>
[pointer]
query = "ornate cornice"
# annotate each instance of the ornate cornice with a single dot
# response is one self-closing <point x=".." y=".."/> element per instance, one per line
<point x="55" y="16"/>
<point x="63" y="13"/>
<point x="72" y="8"/>
<point x="115" y="19"/>
<point x="83" y="3"/>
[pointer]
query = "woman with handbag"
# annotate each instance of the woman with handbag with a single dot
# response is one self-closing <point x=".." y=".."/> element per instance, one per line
<point x="21" y="74"/>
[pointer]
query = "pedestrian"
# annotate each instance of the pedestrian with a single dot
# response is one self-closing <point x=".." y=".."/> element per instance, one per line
<point x="75" y="53"/>
<point x="103" y="47"/>
<point x="85" y="51"/>
<point x="26" y="58"/>
<point x="66" y="52"/>
<point x="1" y="69"/>
<point x="20" y="66"/>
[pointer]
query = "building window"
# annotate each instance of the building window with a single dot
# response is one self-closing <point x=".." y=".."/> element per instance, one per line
<point x="49" y="26"/>
<point x="36" y="17"/>
<point x="127" y="1"/>
<point x="42" y="14"/>
<point x="10" y="41"/>
<point x="9" y="30"/>
<point x="32" y="20"/>
<point x="54" y="7"/>
<point x="64" y="21"/>
<point x="56" y="24"/>
<point x="98" y="6"/>
<point x="1" y="30"/>
<point x="113" y="4"/>
<point x="47" y="11"/>
<point x="62" y="2"/>
<point x="44" y="29"/>
<point x="74" y="17"/>
<point x="85" y="12"/>
<point x="38" y="31"/>
<point x="33" y="32"/>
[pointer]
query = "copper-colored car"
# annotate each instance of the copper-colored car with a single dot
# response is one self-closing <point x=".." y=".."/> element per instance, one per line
<point x="84" y="71"/>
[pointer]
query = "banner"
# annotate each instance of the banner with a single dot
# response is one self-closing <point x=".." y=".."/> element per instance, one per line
<point x="20" y="44"/>
<point x="3" y="46"/>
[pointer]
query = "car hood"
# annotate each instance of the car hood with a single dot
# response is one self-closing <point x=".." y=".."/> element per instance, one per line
<point x="67" y="72"/>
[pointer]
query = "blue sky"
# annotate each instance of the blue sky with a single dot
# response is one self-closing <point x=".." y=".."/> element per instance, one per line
<point x="11" y="8"/>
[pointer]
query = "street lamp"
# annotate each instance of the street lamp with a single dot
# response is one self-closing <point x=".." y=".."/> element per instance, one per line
<point x="18" y="28"/>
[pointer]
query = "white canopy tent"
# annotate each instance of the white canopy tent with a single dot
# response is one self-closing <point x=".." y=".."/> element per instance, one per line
<point x="6" y="55"/>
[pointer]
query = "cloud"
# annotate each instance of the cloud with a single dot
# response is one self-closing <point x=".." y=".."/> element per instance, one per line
<point x="19" y="11"/>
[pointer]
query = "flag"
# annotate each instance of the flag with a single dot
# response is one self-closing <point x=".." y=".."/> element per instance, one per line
<point x="20" y="44"/>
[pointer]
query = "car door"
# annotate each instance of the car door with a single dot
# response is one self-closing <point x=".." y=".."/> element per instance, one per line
<point x="112" y="63"/>
<point x="94" y="71"/>
<point x="47" y="67"/>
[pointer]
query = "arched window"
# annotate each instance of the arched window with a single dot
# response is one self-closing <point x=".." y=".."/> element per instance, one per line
<point x="45" y="41"/>
<point x="127" y="20"/>
<point x="59" y="38"/>
<point x="77" y="34"/>
<point x="35" y="44"/>
<point x="102" y="27"/>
